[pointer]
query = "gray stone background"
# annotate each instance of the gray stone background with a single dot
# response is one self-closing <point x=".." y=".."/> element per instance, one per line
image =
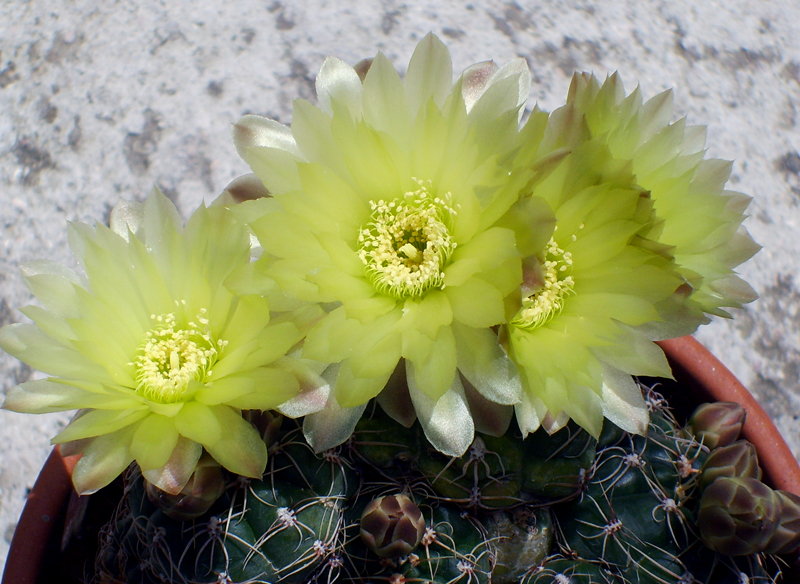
<point x="101" y="101"/>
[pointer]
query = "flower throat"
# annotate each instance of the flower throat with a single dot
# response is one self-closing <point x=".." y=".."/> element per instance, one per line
<point x="541" y="306"/>
<point x="170" y="357"/>
<point x="407" y="243"/>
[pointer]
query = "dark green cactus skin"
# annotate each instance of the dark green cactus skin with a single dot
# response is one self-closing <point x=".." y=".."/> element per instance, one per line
<point x="494" y="473"/>
<point x="555" y="466"/>
<point x="560" y="570"/>
<point x="566" y="509"/>
<point x="632" y="514"/>
<point x="453" y="549"/>
<point x="281" y="529"/>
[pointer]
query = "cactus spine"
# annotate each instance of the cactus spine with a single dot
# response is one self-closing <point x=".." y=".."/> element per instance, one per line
<point x="385" y="507"/>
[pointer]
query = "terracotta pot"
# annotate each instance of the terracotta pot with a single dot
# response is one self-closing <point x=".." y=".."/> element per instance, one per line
<point x="703" y="378"/>
<point x="44" y="510"/>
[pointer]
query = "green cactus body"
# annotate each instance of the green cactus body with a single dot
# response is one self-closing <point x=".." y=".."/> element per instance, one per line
<point x="555" y="466"/>
<point x="560" y="570"/>
<point x="488" y="476"/>
<point x="632" y="514"/>
<point x="454" y="549"/>
<point x="381" y="442"/>
<point x="520" y="539"/>
<point x="281" y="536"/>
<point x="562" y="509"/>
<point x="280" y="529"/>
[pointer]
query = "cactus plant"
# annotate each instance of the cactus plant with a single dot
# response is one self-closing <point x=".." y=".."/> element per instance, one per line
<point x="371" y="511"/>
<point x="426" y="373"/>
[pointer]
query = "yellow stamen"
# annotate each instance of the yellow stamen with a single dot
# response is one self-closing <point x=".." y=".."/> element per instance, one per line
<point x="170" y="357"/>
<point x="407" y="244"/>
<point x="541" y="306"/>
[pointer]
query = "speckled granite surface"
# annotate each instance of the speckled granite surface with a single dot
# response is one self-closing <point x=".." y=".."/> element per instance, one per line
<point x="100" y="102"/>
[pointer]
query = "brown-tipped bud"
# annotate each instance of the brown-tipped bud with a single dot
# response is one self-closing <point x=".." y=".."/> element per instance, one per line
<point x="362" y="68"/>
<point x="787" y="536"/>
<point x="267" y="422"/>
<point x="716" y="424"/>
<point x="205" y="486"/>
<point x="392" y="526"/>
<point x="735" y="460"/>
<point x="738" y="516"/>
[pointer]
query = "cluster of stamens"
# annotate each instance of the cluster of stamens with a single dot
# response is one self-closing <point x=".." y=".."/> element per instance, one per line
<point x="548" y="301"/>
<point x="407" y="243"/>
<point x="170" y="357"/>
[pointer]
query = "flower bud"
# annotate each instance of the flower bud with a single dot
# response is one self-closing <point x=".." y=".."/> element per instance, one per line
<point x="787" y="536"/>
<point x="735" y="460"/>
<point x="205" y="486"/>
<point x="392" y="526"/>
<point x="267" y="422"/>
<point x="738" y="516"/>
<point x="716" y="424"/>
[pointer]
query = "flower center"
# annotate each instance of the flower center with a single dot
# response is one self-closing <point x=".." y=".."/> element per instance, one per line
<point x="171" y="357"/>
<point x="541" y="306"/>
<point x="406" y="244"/>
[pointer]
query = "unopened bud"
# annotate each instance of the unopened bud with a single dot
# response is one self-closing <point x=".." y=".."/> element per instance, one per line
<point x="267" y="422"/>
<point x="716" y="424"/>
<point x="738" y="516"/>
<point x="787" y="536"/>
<point x="735" y="460"/>
<point x="205" y="486"/>
<point x="392" y="526"/>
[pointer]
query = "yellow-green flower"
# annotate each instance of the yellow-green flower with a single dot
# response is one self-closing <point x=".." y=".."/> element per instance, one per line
<point x="152" y="348"/>
<point x="390" y="205"/>
<point x="575" y="338"/>
<point x="700" y="219"/>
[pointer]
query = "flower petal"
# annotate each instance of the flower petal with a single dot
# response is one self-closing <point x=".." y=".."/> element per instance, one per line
<point x="484" y="251"/>
<point x="153" y="441"/>
<point x="474" y="81"/>
<point x="247" y="187"/>
<point x="633" y="353"/>
<point x="486" y="365"/>
<point x="103" y="460"/>
<point x="126" y="218"/>
<point x="506" y="90"/>
<point x="351" y="390"/>
<point x="312" y="130"/>
<point x="434" y="369"/>
<point x="333" y="338"/>
<point x="27" y="343"/>
<point x="314" y="389"/>
<point x="429" y="75"/>
<point x="276" y="168"/>
<point x="331" y="426"/>
<point x="240" y="449"/>
<point x="623" y="403"/>
<point x="385" y="102"/>
<point x="255" y="131"/>
<point x="98" y="422"/>
<point x="271" y="388"/>
<point x="489" y="417"/>
<point x="54" y="286"/>
<point x="530" y="412"/>
<point x="445" y="419"/>
<point x="199" y="422"/>
<point x="45" y="396"/>
<point x="177" y="471"/>
<point x="338" y="81"/>
<point x="532" y="222"/>
<point x="476" y="303"/>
